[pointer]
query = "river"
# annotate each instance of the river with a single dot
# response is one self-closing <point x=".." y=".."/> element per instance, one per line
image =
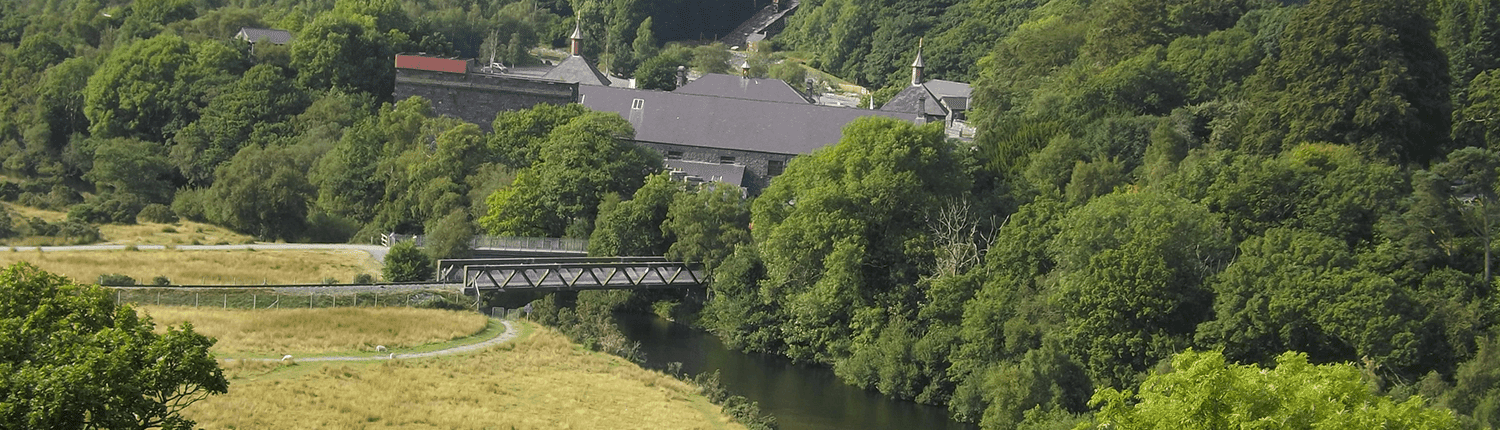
<point x="801" y="397"/>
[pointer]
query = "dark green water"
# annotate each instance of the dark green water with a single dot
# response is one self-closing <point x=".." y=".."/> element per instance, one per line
<point x="801" y="397"/>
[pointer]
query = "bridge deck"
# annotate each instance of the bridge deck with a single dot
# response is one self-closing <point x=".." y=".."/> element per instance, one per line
<point x="570" y="274"/>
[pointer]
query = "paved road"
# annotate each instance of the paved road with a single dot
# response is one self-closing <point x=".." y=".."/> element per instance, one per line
<point x="510" y="333"/>
<point x="376" y="251"/>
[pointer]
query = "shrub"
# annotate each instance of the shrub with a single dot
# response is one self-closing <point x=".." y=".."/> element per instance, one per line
<point x="323" y="227"/>
<point x="157" y="213"/>
<point x="364" y="278"/>
<point x="115" y="279"/>
<point x="9" y="191"/>
<point x="405" y="263"/>
<point x="161" y="281"/>
<point x="77" y="233"/>
<point x="188" y="203"/>
<point x="330" y="281"/>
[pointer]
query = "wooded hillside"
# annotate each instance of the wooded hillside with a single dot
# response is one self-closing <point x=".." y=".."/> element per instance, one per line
<point x="1249" y="177"/>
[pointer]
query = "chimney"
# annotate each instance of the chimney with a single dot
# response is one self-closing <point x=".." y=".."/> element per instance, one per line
<point x="917" y="66"/>
<point x="577" y="38"/>
<point x="681" y="76"/>
<point x="922" y="109"/>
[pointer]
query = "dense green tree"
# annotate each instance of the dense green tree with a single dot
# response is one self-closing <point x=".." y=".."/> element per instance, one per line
<point x="519" y="134"/>
<point x="840" y="231"/>
<point x="449" y="236"/>
<point x="1358" y="72"/>
<point x="74" y="359"/>
<point x="644" y="46"/>
<point x="711" y="59"/>
<point x="128" y="166"/>
<point x="406" y="263"/>
<point x="1203" y="391"/>
<point x="60" y="101"/>
<point x="708" y="224"/>
<point x="635" y="227"/>
<point x="346" y="52"/>
<point x="1131" y="271"/>
<point x="255" y="105"/>
<point x="1300" y="291"/>
<point x="658" y="73"/>
<point x="261" y="191"/>
<point x="132" y="94"/>
<point x="579" y="162"/>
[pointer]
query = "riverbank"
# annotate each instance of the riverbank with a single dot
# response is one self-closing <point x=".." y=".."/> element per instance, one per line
<point x="537" y="380"/>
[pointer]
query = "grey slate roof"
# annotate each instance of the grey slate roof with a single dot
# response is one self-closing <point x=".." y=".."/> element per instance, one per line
<point x="720" y="85"/>
<point x="910" y="100"/>
<point x="257" y="35"/>
<point x="944" y="88"/>
<point x="727" y="123"/>
<point x="576" y="69"/>
<point x="733" y="174"/>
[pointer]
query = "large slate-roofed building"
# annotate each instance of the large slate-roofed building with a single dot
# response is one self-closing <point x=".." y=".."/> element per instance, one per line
<point x="760" y="135"/>
<point x="720" y="85"/>
<point x="732" y="129"/>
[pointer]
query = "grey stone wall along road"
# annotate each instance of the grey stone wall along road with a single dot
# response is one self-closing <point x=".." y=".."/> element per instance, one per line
<point x="510" y="333"/>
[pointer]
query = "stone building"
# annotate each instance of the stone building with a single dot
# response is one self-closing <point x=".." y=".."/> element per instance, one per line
<point x="732" y="129"/>
<point x="935" y="100"/>
<point x="695" y="132"/>
<point x="461" y="89"/>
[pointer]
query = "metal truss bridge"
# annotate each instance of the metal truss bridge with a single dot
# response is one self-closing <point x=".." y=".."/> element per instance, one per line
<point x="569" y="273"/>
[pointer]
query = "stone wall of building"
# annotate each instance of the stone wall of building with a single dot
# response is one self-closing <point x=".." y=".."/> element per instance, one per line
<point x="760" y="167"/>
<point x="476" y="98"/>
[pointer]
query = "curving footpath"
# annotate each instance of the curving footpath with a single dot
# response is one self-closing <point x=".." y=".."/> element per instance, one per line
<point x="510" y="333"/>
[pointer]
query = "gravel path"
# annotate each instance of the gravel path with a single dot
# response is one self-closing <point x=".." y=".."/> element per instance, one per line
<point x="510" y="333"/>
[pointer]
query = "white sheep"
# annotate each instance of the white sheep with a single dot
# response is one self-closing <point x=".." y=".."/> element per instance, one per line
<point x="380" y="348"/>
<point x="392" y="356"/>
<point x="286" y="357"/>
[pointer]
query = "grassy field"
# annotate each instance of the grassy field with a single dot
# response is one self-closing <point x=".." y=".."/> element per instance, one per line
<point x="180" y="233"/>
<point x="204" y="267"/>
<point x="271" y="332"/>
<point x="538" y="381"/>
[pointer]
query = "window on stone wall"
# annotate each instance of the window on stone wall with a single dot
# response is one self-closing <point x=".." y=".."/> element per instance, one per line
<point x="775" y="167"/>
<point x="674" y="155"/>
<point x="725" y="159"/>
<point x="638" y="104"/>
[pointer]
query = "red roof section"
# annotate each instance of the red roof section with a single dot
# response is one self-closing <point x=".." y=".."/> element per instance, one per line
<point x="430" y="63"/>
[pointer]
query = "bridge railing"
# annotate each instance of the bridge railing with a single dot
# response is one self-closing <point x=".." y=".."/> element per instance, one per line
<point x="451" y="270"/>
<point x="575" y="276"/>
<point x="502" y="242"/>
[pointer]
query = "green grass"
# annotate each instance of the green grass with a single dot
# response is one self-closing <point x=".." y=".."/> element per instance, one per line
<point x="539" y="380"/>
<point x="348" y="331"/>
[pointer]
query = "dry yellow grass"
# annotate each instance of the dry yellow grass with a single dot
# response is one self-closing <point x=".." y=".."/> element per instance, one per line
<point x="204" y="267"/>
<point x="315" y="331"/>
<point x="180" y="233"/>
<point x="541" y="381"/>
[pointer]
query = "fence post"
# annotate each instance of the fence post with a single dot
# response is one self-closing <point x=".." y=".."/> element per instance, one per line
<point x="195" y="299"/>
<point x="253" y="302"/>
<point x="226" y="300"/>
<point x="310" y="299"/>
<point x="158" y="298"/>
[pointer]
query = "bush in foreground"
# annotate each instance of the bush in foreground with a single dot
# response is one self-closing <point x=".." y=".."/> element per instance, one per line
<point x="73" y="359"/>
<point x="1204" y="392"/>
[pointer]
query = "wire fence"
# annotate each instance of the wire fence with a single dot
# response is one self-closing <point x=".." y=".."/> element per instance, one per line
<point x="276" y="299"/>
